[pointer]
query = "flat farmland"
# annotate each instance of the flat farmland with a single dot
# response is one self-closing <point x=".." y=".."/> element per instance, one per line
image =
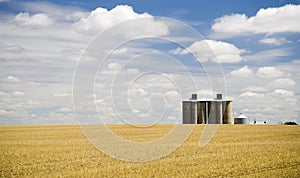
<point x="234" y="151"/>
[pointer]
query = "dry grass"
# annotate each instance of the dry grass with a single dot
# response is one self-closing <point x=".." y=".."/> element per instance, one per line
<point x="239" y="150"/>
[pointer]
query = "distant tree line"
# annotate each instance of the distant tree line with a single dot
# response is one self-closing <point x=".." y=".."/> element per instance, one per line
<point x="290" y="123"/>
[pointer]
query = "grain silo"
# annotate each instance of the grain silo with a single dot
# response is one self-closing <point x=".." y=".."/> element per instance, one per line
<point x="189" y="111"/>
<point x="241" y="119"/>
<point x="207" y="111"/>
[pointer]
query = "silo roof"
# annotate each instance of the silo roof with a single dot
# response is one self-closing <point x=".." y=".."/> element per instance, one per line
<point x="196" y="100"/>
<point x="242" y="116"/>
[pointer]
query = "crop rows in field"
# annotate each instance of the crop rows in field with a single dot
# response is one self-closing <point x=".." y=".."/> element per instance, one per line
<point x="235" y="150"/>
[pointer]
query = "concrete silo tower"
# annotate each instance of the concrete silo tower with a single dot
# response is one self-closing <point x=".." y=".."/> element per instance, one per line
<point x="207" y="111"/>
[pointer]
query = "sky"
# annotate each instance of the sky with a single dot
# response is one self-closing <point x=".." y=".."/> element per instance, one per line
<point x="68" y="62"/>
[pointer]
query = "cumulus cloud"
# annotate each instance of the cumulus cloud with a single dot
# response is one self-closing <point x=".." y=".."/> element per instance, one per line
<point x="11" y="51"/>
<point x="274" y="41"/>
<point x="99" y="101"/>
<point x="61" y="94"/>
<point x="3" y="93"/>
<point x="255" y="89"/>
<point x="114" y="66"/>
<point x="171" y="118"/>
<point x="268" y="55"/>
<point x="120" y="51"/>
<point x="266" y="21"/>
<point x="40" y="19"/>
<point x="58" y="11"/>
<point x="10" y="48"/>
<point x="11" y="79"/>
<point x="6" y="112"/>
<point x="133" y="70"/>
<point x="216" y="51"/>
<point x="75" y="55"/>
<point x="269" y="72"/>
<point x="101" y="19"/>
<point x="33" y="84"/>
<point x="76" y="15"/>
<point x="172" y="93"/>
<point x="138" y="92"/>
<point x="284" y="92"/>
<point x="250" y="94"/>
<point x="64" y="109"/>
<point x="18" y="93"/>
<point x="242" y="72"/>
<point x="282" y="83"/>
<point x="204" y="93"/>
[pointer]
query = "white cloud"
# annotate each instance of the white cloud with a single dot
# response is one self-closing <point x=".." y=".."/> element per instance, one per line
<point x="64" y="109"/>
<point x="266" y="21"/>
<point x="172" y="93"/>
<point x="274" y="41"/>
<point x="255" y="89"/>
<point x="99" y="85"/>
<point x="216" y="51"/>
<point x="120" y="51"/>
<point x="18" y="93"/>
<point x="76" y="15"/>
<point x="284" y="92"/>
<point x="136" y="111"/>
<point x="99" y="101"/>
<point x="242" y="72"/>
<point x="203" y="93"/>
<point x="33" y="20"/>
<point x="114" y="66"/>
<point x="12" y="48"/>
<point x="171" y="118"/>
<point x="11" y="79"/>
<point x="33" y="84"/>
<point x="4" y="1"/>
<point x="11" y="51"/>
<point x="5" y="112"/>
<point x="133" y="70"/>
<point x="271" y="55"/>
<point x="282" y="83"/>
<point x="268" y="106"/>
<point x="61" y="94"/>
<point x="3" y="93"/>
<point x="58" y="11"/>
<point x="269" y="72"/>
<point x="138" y="92"/>
<point x="250" y="94"/>
<point x="101" y="19"/>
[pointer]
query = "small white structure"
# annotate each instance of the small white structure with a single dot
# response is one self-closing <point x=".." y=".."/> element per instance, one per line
<point x="241" y="119"/>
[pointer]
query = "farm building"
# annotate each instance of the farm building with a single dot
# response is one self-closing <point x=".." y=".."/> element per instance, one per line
<point x="207" y="111"/>
<point x="241" y="119"/>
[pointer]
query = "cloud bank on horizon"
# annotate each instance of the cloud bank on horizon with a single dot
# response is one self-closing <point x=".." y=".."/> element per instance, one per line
<point x="266" y="21"/>
<point x="41" y="42"/>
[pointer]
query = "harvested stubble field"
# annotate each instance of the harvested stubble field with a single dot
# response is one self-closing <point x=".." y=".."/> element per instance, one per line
<point x="235" y="150"/>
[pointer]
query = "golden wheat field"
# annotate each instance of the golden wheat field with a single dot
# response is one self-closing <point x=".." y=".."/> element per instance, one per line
<point x="234" y="151"/>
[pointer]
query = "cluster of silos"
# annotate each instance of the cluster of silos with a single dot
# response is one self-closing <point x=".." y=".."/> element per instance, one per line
<point x="213" y="111"/>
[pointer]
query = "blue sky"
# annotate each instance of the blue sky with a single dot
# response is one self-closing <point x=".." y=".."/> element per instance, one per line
<point x="249" y="50"/>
